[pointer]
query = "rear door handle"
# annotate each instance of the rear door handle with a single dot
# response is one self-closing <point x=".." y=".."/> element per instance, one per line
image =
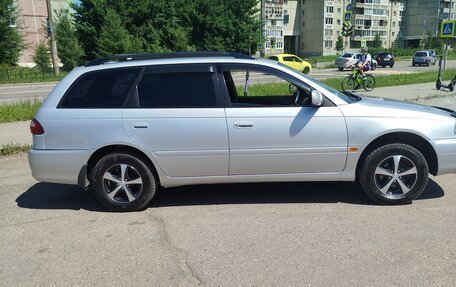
<point x="243" y="125"/>
<point x="140" y="125"/>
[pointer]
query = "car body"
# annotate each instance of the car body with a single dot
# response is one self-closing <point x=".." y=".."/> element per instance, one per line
<point x="293" y="61"/>
<point x="347" y="60"/>
<point x="126" y="128"/>
<point x="384" y="59"/>
<point x="424" y="58"/>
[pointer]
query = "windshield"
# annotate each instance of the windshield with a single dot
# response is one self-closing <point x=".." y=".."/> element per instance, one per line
<point x="324" y="86"/>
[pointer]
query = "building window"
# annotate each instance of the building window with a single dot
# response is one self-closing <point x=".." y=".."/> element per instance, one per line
<point x="329" y="9"/>
<point x="338" y="22"/>
<point x="328" y="32"/>
<point x="303" y="23"/>
<point x="339" y="11"/>
<point x="328" y="44"/>
<point x="328" y="20"/>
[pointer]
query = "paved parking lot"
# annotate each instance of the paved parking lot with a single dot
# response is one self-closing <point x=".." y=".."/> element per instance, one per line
<point x="289" y="234"/>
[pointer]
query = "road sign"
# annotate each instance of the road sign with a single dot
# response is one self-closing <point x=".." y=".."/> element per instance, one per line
<point x="259" y="46"/>
<point x="348" y="8"/>
<point x="348" y="16"/>
<point x="363" y="43"/>
<point x="447" y="29"/>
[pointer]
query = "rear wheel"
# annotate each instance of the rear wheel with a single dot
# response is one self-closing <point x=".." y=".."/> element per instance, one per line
<point x="383" y="66"/>
<point x="348" y="84"/>
<point x="341" y="69"/>
<point x="374" y="67"/>
<point x="369" y="83"/>
<point x="438" y="84"/>
<point x="123" y="182"/>
<point x="394" y="174"/>
<point x="306" y="70"/>
<point x="392" y="65"/>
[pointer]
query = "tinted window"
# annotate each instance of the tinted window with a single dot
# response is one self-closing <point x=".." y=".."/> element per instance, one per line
<point x="101" y="89"/>
<point x="273" y="58"/>
<point x="176" y="90"/>
<point x="421" y="54"/>
<point x="347" y="55"/>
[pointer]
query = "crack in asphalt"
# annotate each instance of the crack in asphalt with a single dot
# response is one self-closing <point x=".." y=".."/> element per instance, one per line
<point x="180" y="253"/>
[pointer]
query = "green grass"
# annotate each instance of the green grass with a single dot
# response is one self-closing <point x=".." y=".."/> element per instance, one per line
<point x="264" y="89"/>
<point x="18" y="112"/>
<point x="399" y="80"/>
<point x="11" y="148"/>
<point x="14" y="75"/>
<point x="320" y="59"/>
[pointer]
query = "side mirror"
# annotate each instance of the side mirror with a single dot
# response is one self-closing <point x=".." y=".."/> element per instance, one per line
<point x="317" y="98"/>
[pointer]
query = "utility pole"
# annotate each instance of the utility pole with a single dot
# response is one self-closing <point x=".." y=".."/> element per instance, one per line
<point x="447" y="41"/>
<point x="55" y="63"/>
<point x="262" y="17"/>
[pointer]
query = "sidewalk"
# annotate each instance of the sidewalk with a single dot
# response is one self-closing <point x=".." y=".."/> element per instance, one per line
<point x="19" y="132"/>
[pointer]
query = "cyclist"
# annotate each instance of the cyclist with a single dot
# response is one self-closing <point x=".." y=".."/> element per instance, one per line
<point x="364" y="61"/>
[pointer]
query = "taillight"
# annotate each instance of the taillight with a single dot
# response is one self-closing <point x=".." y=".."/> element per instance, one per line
<point x="36" y="128"/>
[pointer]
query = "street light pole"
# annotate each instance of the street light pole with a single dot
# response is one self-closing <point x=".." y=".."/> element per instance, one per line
<point x="55" y="63"/>
<point x="447" y="41"/>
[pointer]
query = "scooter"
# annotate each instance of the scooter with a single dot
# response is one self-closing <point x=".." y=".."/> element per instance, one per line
<point x="439" y="83"/>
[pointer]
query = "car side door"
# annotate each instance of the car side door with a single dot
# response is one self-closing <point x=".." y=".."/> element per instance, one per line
<point x="177" y="116"/>
<point x="273" y="127"/>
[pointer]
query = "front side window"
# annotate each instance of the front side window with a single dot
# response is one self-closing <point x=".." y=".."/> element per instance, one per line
<point x="256" y="88"/>
<point x="177" y="90"/>
<point x="100" y="89"/>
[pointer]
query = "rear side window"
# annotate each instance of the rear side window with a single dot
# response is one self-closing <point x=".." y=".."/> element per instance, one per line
<point x="177" y="90"/>
<point x="274" y="58"/>
<point x="100" y="89"/>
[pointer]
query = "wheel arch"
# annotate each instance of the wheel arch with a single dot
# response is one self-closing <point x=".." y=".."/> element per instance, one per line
<point x="414" y="140"/>
<point x="101" y="152"/>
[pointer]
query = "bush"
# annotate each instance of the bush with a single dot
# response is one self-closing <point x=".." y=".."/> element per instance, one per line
<point x="42" y="57"/>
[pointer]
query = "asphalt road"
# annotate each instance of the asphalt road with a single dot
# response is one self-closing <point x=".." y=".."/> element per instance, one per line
<point x="15" y="93"/>
<point x="288" y="234"/>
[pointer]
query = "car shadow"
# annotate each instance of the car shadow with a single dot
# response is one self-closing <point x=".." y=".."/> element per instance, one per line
<point x="59" y="196"/>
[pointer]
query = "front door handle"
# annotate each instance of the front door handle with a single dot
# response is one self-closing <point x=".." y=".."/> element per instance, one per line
<point x="243" y="125"/>
<point x="140" y="125"/>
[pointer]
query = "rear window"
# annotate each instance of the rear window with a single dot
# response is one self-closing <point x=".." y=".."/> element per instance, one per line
<point x="384" y="54"/>
<point x="100" y="89"/>
<point x="421" y="54"/>
<point x="273" y="58"/>
<point x="177" y="90"/>
<point x="347" y="55"/>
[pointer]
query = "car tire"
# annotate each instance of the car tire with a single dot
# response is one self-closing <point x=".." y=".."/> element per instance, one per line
<point x="374" y="67"/>
<point x="380" y="174"/>
<point x="391" y="66"/>
<point x="413" y="64"/>
<point x="383" y="66"/>
<point x="341" y="69"/>
<point x="123" y="182"/>
<point x="306" y="70"/>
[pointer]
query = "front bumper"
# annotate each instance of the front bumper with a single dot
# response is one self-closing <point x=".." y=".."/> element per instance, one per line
<point x="446" y="153"/>
<point x="58" y="166"/>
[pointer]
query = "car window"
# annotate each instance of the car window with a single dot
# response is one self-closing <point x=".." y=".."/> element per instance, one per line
<point x="177" y="90"/>
<point x="296" y="59"/>
<point x="347" y="55"/>
<point x="255" y="88"/>
<point x="421" y="54"/>
<point x="100" y="89"/>
<point x="288" y="59"/>
<point x="274" y="58"/>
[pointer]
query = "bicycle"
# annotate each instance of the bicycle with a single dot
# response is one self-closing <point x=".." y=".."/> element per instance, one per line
<point x="355" y="81"/>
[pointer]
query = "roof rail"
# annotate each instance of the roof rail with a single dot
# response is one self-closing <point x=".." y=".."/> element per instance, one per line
<point x="137" y="57"/>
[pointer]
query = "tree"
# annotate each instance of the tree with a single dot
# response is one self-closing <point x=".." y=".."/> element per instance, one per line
<point x="340" y="44"/>
<point x="377" y="43"/>
<point x="69" y="50"/>
<point x="41" y="57"/>
<point x="114" y="38"/>
<point x="11" y="41"/>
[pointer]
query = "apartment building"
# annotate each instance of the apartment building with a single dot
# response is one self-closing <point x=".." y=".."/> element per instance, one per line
<point x="32" y="17"/>
<point x="272" y="15"/>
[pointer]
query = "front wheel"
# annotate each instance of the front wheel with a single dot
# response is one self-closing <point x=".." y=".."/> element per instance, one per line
<point x="341" y="69"/>
<point x="438" y="84"/>
<point x="123" y="182"/>
<point x="306" y="70"/>
<point x="348" y="84"/>
<point x="374" y="67"/>
<point x="369" y="83"/>
<point x="394" y="174"/>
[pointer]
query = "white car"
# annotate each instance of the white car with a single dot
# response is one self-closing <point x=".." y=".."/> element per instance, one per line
<point x="349" y="59"/>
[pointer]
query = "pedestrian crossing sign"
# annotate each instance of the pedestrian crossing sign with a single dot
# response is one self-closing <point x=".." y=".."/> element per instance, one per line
<point x="447" y="29"/>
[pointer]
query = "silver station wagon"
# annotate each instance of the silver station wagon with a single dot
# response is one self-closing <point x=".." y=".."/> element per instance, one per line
<point x="128" y="125"/>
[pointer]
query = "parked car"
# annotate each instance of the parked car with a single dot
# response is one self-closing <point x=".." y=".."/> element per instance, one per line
<point x="293" y="61"/>
<point x="384" y="59"/>
<point x="424" y="58"/>
<point x="126" y="125"/>
<point x="347" y="60"/>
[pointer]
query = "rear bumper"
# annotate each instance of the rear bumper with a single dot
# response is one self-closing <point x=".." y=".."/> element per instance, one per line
<point x="58" y="166"/>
